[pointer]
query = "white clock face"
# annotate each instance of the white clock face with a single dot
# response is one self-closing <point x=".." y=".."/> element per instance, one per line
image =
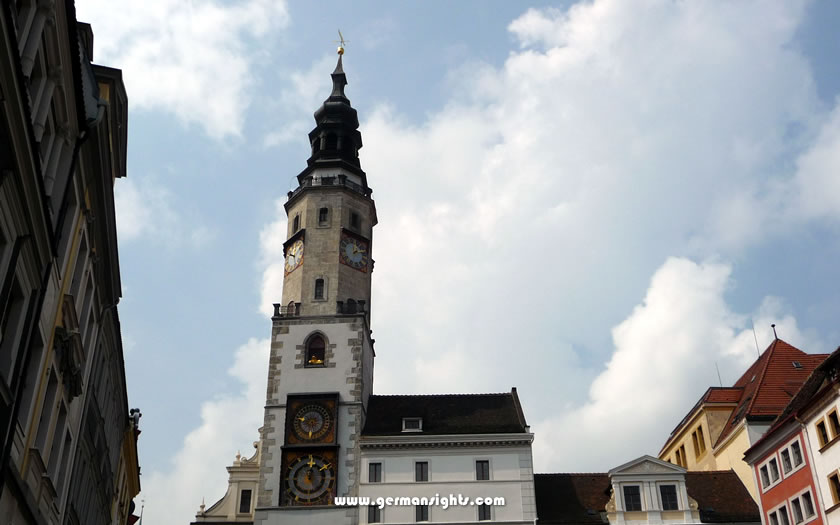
<point x="294" y="256"/>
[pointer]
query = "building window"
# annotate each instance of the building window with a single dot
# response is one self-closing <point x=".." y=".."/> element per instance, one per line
<point x="421" y="471"/>
<point x="11" y="320"/>
<point x="482" y="470"/>
<point x="796" y="450"/>
<point x="355" y="221"/>
<point x="835" y="423"/>
<point x="765" y="477"/>
<point x="699" y="442"/>
<point x="783" y="516"/>
<point x="683" y="456"/>
<point x="808" y="505"/>
<point x="421" y="513"/>
<point x="669" y="497"/>
<point x="315" y="351"/>
<point x="632" y="498"/>
<point x="484" y="512"/>
<point x="374" y="514"/>
<point x="787" y="466"/>
<point x="774" y="518"/>
<point x="323" y="217"/>
<point x="796" y="508"/>
<point x="822" y="433"/>
<point x="319" y="289"/>
<point x="791" y="457"/>
<point x="245" y="501"/>
<point x="375" y="473"/>
<point x="412" y="424"/>
<point x="834" y="483"/>
<point x="774" y="470"/>
<point x="296" y="223"/>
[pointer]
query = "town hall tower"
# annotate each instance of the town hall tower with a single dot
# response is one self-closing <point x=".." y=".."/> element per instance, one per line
<point x="321" y="365"/>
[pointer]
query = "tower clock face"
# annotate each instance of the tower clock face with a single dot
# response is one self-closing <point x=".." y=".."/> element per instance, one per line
<point x="294" y="256"/>
<point x="311" y="422"/>
<point x="354" y="253"/>
<point x="310" y="479"/>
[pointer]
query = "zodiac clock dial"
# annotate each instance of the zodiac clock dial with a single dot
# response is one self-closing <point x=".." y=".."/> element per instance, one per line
<point x="354" y="253"/>
<point x="310" y="479"/>
<point x="294" y="256"/>
<point x="311" y="422"/>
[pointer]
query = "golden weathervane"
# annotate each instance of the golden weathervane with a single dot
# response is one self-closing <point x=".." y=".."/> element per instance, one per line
<point x="340" y="43"/>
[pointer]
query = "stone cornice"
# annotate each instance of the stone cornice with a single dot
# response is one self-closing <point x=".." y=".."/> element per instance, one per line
<point x="442" y="441"/>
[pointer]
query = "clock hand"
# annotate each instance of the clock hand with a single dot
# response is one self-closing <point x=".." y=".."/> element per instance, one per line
<point x="310" y="434"/>
<point x="311" y="461"/>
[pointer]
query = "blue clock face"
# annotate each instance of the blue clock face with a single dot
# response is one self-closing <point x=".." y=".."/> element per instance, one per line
<point x="354" y="253"/>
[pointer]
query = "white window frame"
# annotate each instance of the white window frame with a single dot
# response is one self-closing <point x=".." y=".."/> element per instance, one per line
<point x="489" y="467"/>
<point x="766" y="463"/>
<point x="419" y="421"/>
<point x="788" y="446"/>
<point x="381" y="471"/>
<point x="676" y="486"/>
<point x="798" y="496"/>
<point x="775" y="510"/>
<point x="641" y="496"/>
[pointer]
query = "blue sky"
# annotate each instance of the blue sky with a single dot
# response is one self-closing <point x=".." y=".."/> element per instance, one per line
<point x="592" y="202"/>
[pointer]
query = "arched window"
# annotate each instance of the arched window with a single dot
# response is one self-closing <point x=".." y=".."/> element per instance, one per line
<point x="315" y="351"/>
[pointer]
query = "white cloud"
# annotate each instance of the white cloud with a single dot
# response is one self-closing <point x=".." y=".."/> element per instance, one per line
<point x="228" y="423"/>
<point x="535" y="205"/>
<point x="145" y="210"/>
<point x="664" y="359"/>
<point x="307" y="89"/>
<point x="194" y="59"/>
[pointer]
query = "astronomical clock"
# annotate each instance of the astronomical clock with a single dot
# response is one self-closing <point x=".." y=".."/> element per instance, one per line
<point x="310" y="453"/>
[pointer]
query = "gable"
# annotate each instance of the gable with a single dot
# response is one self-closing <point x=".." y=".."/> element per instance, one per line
<point x="647" y="465"/>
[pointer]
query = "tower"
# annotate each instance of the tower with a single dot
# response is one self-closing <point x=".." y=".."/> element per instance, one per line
<point x="321" y="366"/>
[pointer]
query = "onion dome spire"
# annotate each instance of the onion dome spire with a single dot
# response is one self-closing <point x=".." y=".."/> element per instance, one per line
<point x="336" y="140"/>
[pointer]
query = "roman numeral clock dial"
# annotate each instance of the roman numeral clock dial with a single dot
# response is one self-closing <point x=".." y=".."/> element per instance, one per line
<point x="354" y="252"/>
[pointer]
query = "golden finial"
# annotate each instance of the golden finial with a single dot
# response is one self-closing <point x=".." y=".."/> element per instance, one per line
<point x="340" y="43"/>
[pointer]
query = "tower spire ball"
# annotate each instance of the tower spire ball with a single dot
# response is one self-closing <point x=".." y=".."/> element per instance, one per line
<point x="341" y="42"/>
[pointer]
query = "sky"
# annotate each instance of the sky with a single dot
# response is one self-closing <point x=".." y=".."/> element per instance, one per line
<point x="594" y="202"/>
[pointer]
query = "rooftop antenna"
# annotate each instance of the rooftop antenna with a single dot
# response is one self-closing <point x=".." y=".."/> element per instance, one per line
<point x="757" y="350"/>
<point x="142" y="506"/>
<point x="773" y="326"/>
<point x="718" y="371"/>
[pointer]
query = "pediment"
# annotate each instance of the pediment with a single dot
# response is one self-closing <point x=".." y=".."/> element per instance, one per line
<point x="647" y="465"/>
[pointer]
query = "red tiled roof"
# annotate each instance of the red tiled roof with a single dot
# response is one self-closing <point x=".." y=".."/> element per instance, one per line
<point x="770" y="383"/>
<point x="723" y="395"/>
<point x="811" y="389"/>
<point x="581" y="498"/>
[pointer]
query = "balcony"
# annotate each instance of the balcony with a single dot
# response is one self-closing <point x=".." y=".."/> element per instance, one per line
<point x="339" y="180"/>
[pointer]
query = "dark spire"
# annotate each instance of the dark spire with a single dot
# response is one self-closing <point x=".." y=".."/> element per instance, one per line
<point x="339" y="81"/>
<point x="336" y="140"/>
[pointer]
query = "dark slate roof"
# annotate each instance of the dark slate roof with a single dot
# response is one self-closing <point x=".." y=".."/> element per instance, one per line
<point x="721" y="497"/>
<point x="446" y="414"/>
<point x="571" y="498"/>
<point x="582" y="498"/>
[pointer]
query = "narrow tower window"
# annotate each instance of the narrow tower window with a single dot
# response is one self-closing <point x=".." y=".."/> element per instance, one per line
<point x="296" y="224"/>
<point x="323" y="216"/>
<point x="355" y="220"/>
<point x="315" y="351"/>
<point x="319" y="289"/>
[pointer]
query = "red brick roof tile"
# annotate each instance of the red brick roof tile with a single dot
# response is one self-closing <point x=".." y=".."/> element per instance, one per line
<point x="770" y="383"/>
